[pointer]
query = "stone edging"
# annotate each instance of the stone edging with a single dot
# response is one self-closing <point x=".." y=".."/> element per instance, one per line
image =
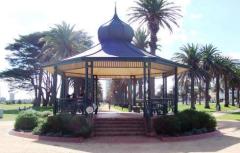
<point x="45" y="138"/>
<point x="190" y="137"/>
<point x="81" y="139"/>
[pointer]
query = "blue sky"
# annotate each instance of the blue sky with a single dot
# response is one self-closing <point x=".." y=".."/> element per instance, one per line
<point x="204" y="21"/>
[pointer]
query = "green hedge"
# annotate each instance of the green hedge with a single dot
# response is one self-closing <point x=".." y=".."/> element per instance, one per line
<point x="26" y="120"/>
<point x="64" y="125"/>
<point x="186" y="122"/>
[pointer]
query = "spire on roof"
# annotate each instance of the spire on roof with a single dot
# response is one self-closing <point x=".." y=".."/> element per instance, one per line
<point x="115" y="9"/>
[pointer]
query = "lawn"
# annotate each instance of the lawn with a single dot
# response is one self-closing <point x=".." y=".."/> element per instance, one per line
<point x="121" y="109"/>
<point x="212" y="107"/>
<point x="230" y="116"/>
<point x="12" y="110"/>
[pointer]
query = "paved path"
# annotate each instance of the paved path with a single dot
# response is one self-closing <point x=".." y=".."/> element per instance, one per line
<point x="229" y="142"/>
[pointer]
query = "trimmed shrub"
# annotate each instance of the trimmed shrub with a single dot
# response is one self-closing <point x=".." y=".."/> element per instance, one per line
<point x="41" y="128"/>
<point x="80" y="126"/>
<point x="63" y="125"/>
<point x="167" y="125"/>
<point x="187" y="122"/>
<point x="26" y="120"/>
<point x="44" y="114"/>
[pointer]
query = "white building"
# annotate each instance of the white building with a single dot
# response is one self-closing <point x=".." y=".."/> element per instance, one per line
<point x="11" y="96"/>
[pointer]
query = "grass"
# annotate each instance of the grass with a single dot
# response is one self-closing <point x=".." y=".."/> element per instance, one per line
<point x="212" y="109"/>
<point x="230" y="116"/>
<point x="11" y="110"/>
<point x="120" y="108"/>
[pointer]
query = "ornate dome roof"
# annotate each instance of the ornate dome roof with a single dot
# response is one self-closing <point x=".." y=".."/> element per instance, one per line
<point x="115" y="30"/>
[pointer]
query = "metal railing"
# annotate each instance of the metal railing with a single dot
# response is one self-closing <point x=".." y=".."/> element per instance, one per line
<point x="161" y="106"/>
<point x="70" y="105"/>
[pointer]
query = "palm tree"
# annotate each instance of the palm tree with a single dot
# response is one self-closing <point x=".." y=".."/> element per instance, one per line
<point x="61" y="42"/>
<point x="226" y="69"/>
<point x="218" y="62"/>
<point x="209" y="52"/>
<point x="141" y="40"/>
<point x="156" y="14"/>
<point x="191" y="55"/>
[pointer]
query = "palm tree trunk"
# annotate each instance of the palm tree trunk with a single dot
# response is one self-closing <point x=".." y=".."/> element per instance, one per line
<point x="233" y="89"/>
<point x="238" y="97"/>
<point x="207" y="97"/>
<point x="218" y="106"/>
<point x="226" y="91"/>
<point x="192" y="93"/>
<point x="153" y="41"/>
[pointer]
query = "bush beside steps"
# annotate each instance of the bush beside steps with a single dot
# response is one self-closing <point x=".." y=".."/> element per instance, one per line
<point x="62" y="125"/>
<point x="187" y="122"/>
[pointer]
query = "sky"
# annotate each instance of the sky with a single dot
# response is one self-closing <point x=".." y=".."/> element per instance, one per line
<point x="203" y="21"/>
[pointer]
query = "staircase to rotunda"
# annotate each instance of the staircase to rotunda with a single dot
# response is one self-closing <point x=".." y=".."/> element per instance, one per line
<point x="122" y="125"/>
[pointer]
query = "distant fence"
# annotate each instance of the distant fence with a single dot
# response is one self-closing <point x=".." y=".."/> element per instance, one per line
<point x="24" y="108"/>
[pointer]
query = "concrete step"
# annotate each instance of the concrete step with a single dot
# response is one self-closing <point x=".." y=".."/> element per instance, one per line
<point x="117" y="133"/>
<point x="118" y="125"/>
<point x="120" y="129"/>
<point x="118" y="122"/>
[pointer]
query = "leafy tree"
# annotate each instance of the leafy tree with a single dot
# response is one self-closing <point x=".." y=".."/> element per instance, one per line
<point x="25" y="71"/>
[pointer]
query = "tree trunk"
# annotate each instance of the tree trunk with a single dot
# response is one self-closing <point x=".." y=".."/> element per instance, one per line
<point x="238" y="97"/>
<point x="207" y="97"/>
<point x="153" y="46"/>
<point x="39" y="88"/>
<point x="226" y="91"/>
<point x="218" y="106"/>
<point x="233" y="89"/>
<point x="54" y="89"/>
<point x="192" y="93"/>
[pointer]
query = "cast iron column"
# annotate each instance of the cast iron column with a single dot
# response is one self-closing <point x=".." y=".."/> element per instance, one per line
<point x="144" y="88"/>
<point x="63" y="87"/>
<point x="86" y="88"/>
<point x="54" y="92"/>
<point x="149" y="89"/>
<point x="175" y="92"/>
<point x="165" y="101"/>
<point x="92" y="83"/>
<point x="134" y="90"/>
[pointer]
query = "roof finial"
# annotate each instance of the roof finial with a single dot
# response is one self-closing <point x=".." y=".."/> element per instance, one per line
<point x="115" y="10"/>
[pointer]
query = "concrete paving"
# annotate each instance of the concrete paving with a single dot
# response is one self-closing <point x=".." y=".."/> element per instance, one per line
<point x="229" y="142"/>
